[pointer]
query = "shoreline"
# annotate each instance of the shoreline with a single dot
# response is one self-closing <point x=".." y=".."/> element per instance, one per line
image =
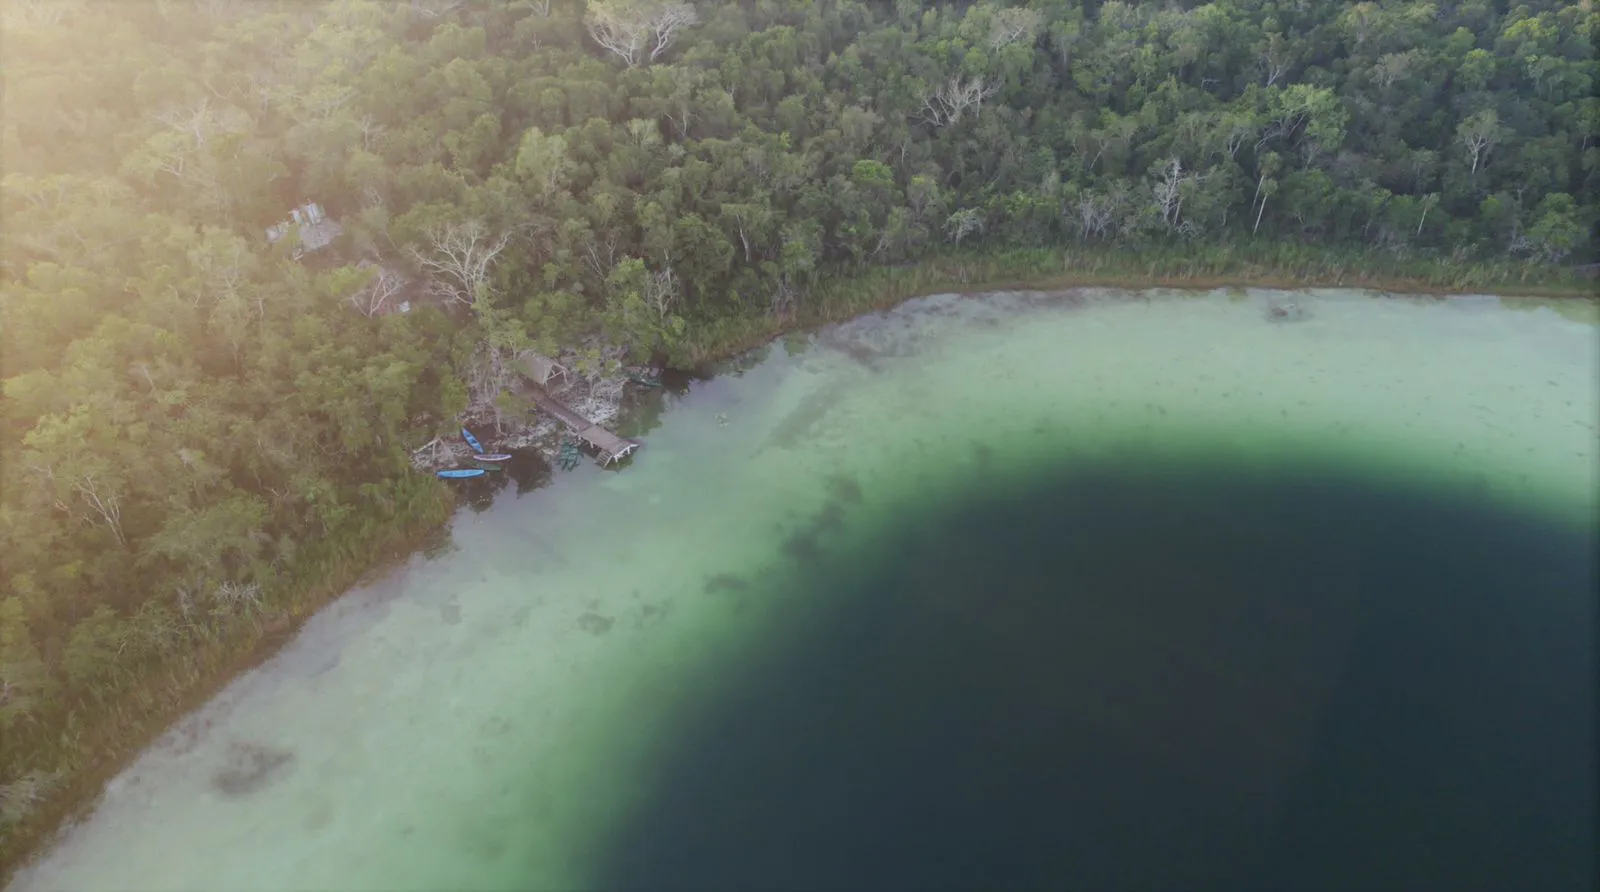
<point x="900" y="284"/>
<point x="118" y="740"/>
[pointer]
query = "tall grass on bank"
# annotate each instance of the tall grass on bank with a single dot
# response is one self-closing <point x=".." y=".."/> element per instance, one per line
<point x="844" y="292"/>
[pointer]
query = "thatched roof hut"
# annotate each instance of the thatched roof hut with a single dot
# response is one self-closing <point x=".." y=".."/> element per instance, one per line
<point x="316" y="231"/>
<point x="541" y="369"/>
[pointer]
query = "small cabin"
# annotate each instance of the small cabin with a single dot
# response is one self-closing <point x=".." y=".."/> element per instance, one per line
<point x="316" y="231"/>
<point x="541" y="369"/>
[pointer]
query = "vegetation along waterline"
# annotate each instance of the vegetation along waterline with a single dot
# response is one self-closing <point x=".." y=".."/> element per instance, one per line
<point x="257" y="252"/>
<point x="1279" y="265"/>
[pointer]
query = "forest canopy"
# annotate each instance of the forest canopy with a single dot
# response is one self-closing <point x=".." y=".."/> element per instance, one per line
<point x="198" y="421"/>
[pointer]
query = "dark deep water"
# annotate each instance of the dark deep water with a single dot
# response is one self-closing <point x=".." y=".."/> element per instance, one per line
<point x="1151" y="678"/>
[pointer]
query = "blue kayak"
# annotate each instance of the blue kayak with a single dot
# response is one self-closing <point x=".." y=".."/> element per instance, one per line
<point x="458" y="473"/>
<point x="472" y="441"/>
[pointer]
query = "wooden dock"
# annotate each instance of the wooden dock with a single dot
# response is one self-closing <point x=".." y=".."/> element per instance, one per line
<point x="612" y="447"/>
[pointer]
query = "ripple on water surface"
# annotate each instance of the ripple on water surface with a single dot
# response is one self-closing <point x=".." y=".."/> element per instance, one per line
<point x="1093" y="591"/>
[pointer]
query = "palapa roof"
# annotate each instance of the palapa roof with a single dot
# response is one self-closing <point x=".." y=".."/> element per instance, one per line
<point x="540" y="368"/>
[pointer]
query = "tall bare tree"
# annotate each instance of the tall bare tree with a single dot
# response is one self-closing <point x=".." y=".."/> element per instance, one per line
<point x="1479" y="135"/>
<point x="945" y="104"/>
<point x="962" y="223"/>
<point x="379" y="293"/>
<point x="434" y="9"/>
<point x="1274" y="57"/>
<point x="460" y="259"/>
<point x="661" y="291"/>
<point x="638" y="31"/>
<point x="1014" y="24"/>
<point x="1095" y="215"/>
<point x="1169" y="192"/>
<point x="98" y="497"/>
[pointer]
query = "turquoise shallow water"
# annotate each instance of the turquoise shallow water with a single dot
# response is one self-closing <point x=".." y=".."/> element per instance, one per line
<point x="1151" y="539"/>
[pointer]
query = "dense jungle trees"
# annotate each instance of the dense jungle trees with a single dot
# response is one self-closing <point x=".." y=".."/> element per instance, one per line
<point x="195" y="421"/>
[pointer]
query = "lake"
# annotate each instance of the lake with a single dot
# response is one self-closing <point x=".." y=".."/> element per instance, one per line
<point x="1089" y="590"/>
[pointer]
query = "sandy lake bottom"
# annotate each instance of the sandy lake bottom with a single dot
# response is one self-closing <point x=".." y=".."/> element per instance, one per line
<point x="1088" y="590"/>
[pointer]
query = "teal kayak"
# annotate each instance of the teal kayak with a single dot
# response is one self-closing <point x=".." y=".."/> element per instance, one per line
<point x="458" y="473"/>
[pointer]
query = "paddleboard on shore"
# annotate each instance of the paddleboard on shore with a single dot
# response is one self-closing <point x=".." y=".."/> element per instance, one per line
<point x="472" y="441"/>
<point x="493" y="456"/>
<point x="458" y="473"/>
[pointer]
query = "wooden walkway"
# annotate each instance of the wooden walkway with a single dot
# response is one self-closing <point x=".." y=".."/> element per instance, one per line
<point x="612" y="447"/>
